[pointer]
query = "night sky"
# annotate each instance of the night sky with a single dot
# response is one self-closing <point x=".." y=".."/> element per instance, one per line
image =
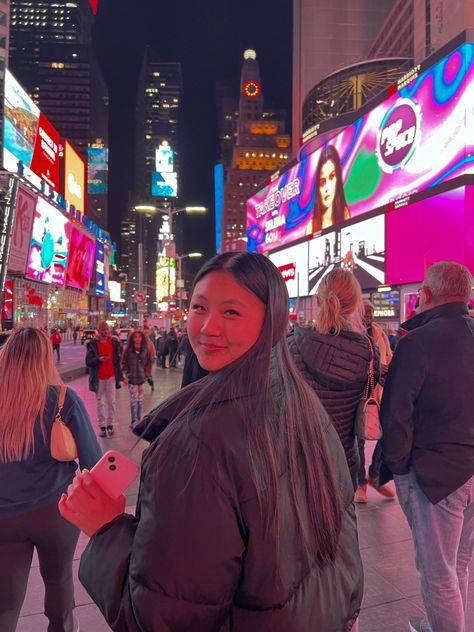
<point x="208" y="38"/>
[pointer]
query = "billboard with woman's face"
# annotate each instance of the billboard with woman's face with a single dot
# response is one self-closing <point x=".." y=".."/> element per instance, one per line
<point x="419" y="137"/>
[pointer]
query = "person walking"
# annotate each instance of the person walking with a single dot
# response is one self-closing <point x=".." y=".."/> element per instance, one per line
<point x="335" y="355"/>
<point x="172" y="344"/>
<point x="32" y="481"/>
<point x="105" y="376"/>
<point x="161" y="348"/>
<point x="75" y="333"/>
<point x="428" y="441"/>
<point x="150" y="338"/>
<point x="137" y="362"/>
<point x="56" y="342"/>
<point x="246" y="519"/>
<point x="373" y="478"/>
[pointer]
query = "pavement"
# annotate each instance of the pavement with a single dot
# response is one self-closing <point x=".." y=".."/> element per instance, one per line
<point x="391" y="594"/>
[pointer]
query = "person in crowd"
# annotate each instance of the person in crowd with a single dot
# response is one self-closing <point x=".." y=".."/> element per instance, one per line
<point x="105" y="376"/>
<point x="330" y="201"/>
<point x="376" y="332"/>
<point x="172" y="344"/>
<point x="335" y="355"/>
<point x="161" y="348"/>
<point x="32" y="481"/>
<point x="75" y="333"/>
<point x="56" y="342"/>
<point x="137" y="362"/>
<point x="245" y="481"/>
<point x="428" y="441"/>
<point x="150" y="343"/>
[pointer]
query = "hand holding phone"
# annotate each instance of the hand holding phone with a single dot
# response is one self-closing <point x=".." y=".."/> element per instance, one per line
<point x="114" y="472"/>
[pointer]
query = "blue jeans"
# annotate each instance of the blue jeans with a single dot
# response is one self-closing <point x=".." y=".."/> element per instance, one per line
<point x="443" y="536"/>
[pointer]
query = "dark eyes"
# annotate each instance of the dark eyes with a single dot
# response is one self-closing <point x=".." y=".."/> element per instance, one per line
<point x="232" y="312"/>
<point x="197" y="307"/>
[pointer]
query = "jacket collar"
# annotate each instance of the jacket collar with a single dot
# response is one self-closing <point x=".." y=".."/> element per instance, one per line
<point x="447" y="310"/>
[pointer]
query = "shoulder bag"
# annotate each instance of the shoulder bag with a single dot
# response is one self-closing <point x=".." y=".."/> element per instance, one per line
<point x="367" y="423"/>
<point x="63" y="446"/>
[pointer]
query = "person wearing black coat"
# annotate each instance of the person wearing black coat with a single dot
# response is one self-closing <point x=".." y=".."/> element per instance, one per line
<point x="245" y="518"/>
<point x="334" y="357"/>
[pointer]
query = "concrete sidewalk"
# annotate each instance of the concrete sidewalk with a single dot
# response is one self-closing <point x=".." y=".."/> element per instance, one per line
<point x="391" y="581"/>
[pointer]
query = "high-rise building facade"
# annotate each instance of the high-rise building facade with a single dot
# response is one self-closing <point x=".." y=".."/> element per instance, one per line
<point x="261" y="147"/>
<point x="326" y="37"/>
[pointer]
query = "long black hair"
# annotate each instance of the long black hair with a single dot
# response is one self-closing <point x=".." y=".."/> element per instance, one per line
<point x="340" y="204"/>
<point x="285" y="424"/>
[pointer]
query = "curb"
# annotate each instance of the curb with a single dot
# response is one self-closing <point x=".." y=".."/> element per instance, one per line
<point x="73" y="373"/>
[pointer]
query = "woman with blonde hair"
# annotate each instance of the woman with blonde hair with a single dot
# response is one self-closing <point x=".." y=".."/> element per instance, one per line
<point x="32" y="481"/>
<point x="335" y="355"/>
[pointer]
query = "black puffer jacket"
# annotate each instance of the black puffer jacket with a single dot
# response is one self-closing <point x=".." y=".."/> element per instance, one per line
<point x="336" y="367"/>
<point x="197" y="557"/>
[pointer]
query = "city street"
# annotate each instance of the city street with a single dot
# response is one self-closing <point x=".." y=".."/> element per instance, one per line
<point x="391" y="581"/>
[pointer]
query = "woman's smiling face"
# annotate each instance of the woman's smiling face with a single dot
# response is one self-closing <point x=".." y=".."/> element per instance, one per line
<point x="225" y="320"/>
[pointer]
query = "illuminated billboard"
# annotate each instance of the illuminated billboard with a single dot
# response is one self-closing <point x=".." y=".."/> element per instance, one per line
<point x="74" y="177"/>
<point x="81" y="257"/>
<point x="164" y="184"/>
<point x="292" y="263"/>
<point x="218" y="202"/>
<point x="29" y="137"/>
<point x="164" y="158"/>
<point x="97" y="169"/>
<point x="165" y="278"/>
<point x="21" y="235"/>
<point x="99" y="268"/>
<point x="49" y="245"/>
<point x="419" y="137"/>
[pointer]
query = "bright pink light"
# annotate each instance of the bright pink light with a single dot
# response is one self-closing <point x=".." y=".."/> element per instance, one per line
<point x="94" y="5"/>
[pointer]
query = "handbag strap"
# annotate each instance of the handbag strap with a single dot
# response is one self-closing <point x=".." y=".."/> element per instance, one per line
<point x="61" y="398"/>
<point x="370" y="387"/>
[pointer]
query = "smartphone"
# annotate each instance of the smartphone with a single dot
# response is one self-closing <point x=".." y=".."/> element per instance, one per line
<point x="114" y="472"/>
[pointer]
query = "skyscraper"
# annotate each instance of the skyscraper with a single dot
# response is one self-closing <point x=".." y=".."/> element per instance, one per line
<point x="261" y="147"/>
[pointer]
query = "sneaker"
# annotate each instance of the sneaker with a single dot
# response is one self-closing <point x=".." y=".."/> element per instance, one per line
<point x="110" y="431"/>
<point x="384" y="490"/>
<point x="361" y="494"/>
<point x="103" y="432"/>
<point x="419" y="625"/>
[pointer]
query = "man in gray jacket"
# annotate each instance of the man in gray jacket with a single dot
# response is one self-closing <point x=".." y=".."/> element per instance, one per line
<point x="427" y="417"/>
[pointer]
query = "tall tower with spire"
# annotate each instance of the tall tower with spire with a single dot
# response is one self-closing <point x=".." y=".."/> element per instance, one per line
<point x="261" y="147"/>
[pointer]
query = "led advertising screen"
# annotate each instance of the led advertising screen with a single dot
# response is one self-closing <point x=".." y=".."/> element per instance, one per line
<point x="49" y="245"/>
<point x="165" y="278"/>
<point x="164" y="184"/>
<point x="164" y="158"/>
<point x="74" y="177"/>
<point x="359" y="247"/>
<point x="435" y="229"/>
<point x="218" y="202"/>
<point x="292" y="263"/>
<point x="81" y="257"/>
<point x="420" y="137"/>
<point x="29" y="136"/>
<point x="22" y="226"/>
<point x="97" y="169"/>
<point x="99" y="268"/>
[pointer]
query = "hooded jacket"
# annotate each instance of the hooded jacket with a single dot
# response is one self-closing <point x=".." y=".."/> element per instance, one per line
<point x="336" y="368"/>
<point x="197" y="558"/>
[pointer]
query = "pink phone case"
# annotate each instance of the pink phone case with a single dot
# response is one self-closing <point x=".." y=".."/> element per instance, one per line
<point x="114" y="472"/>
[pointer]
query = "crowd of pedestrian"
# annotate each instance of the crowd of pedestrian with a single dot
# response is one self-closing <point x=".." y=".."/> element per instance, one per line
<point x="246" y="513"/>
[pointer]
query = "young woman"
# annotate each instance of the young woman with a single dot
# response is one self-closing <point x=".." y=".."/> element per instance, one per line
<point x="32" y="481"/>
<point x="334" y="357"/>
<point x="137" y="362"/>
<point x="330" y="201"/>
<point x="246" y="517"/>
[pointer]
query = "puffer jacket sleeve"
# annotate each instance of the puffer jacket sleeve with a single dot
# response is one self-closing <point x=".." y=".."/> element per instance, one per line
<point x="177" y="566"/>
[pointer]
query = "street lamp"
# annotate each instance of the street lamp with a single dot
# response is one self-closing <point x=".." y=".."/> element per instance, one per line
<point x="179" y="258"/>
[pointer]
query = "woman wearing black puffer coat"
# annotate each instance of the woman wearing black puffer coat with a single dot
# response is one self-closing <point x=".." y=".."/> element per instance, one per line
<point x="334" y="357"/>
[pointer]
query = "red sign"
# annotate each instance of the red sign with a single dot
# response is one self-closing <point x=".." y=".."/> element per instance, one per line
<point x="45" y="159"/>
<point x="94" y="5"/>
<point x="288" y="271"/>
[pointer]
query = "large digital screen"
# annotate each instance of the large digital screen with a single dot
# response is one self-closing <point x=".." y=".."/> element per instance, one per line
<point x="29" y="137"/>
<point x="440" y="228"/>
<point x="419" y="137"/>
<point x="74" y="178"/>
<point x="81" y="257"/>
<point x="164" y="184"/>
<point x="97" y="169"/>
<point x="164" y="158"/>
<point x="99" y="268"/>
<point x="49" y="245"/>
<point x="358" y="247"/>
<point x="21" y="235"/>
<point x="292" y="263"/>
<point x="165" y="278"/>
<point x="218" y="202"/>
